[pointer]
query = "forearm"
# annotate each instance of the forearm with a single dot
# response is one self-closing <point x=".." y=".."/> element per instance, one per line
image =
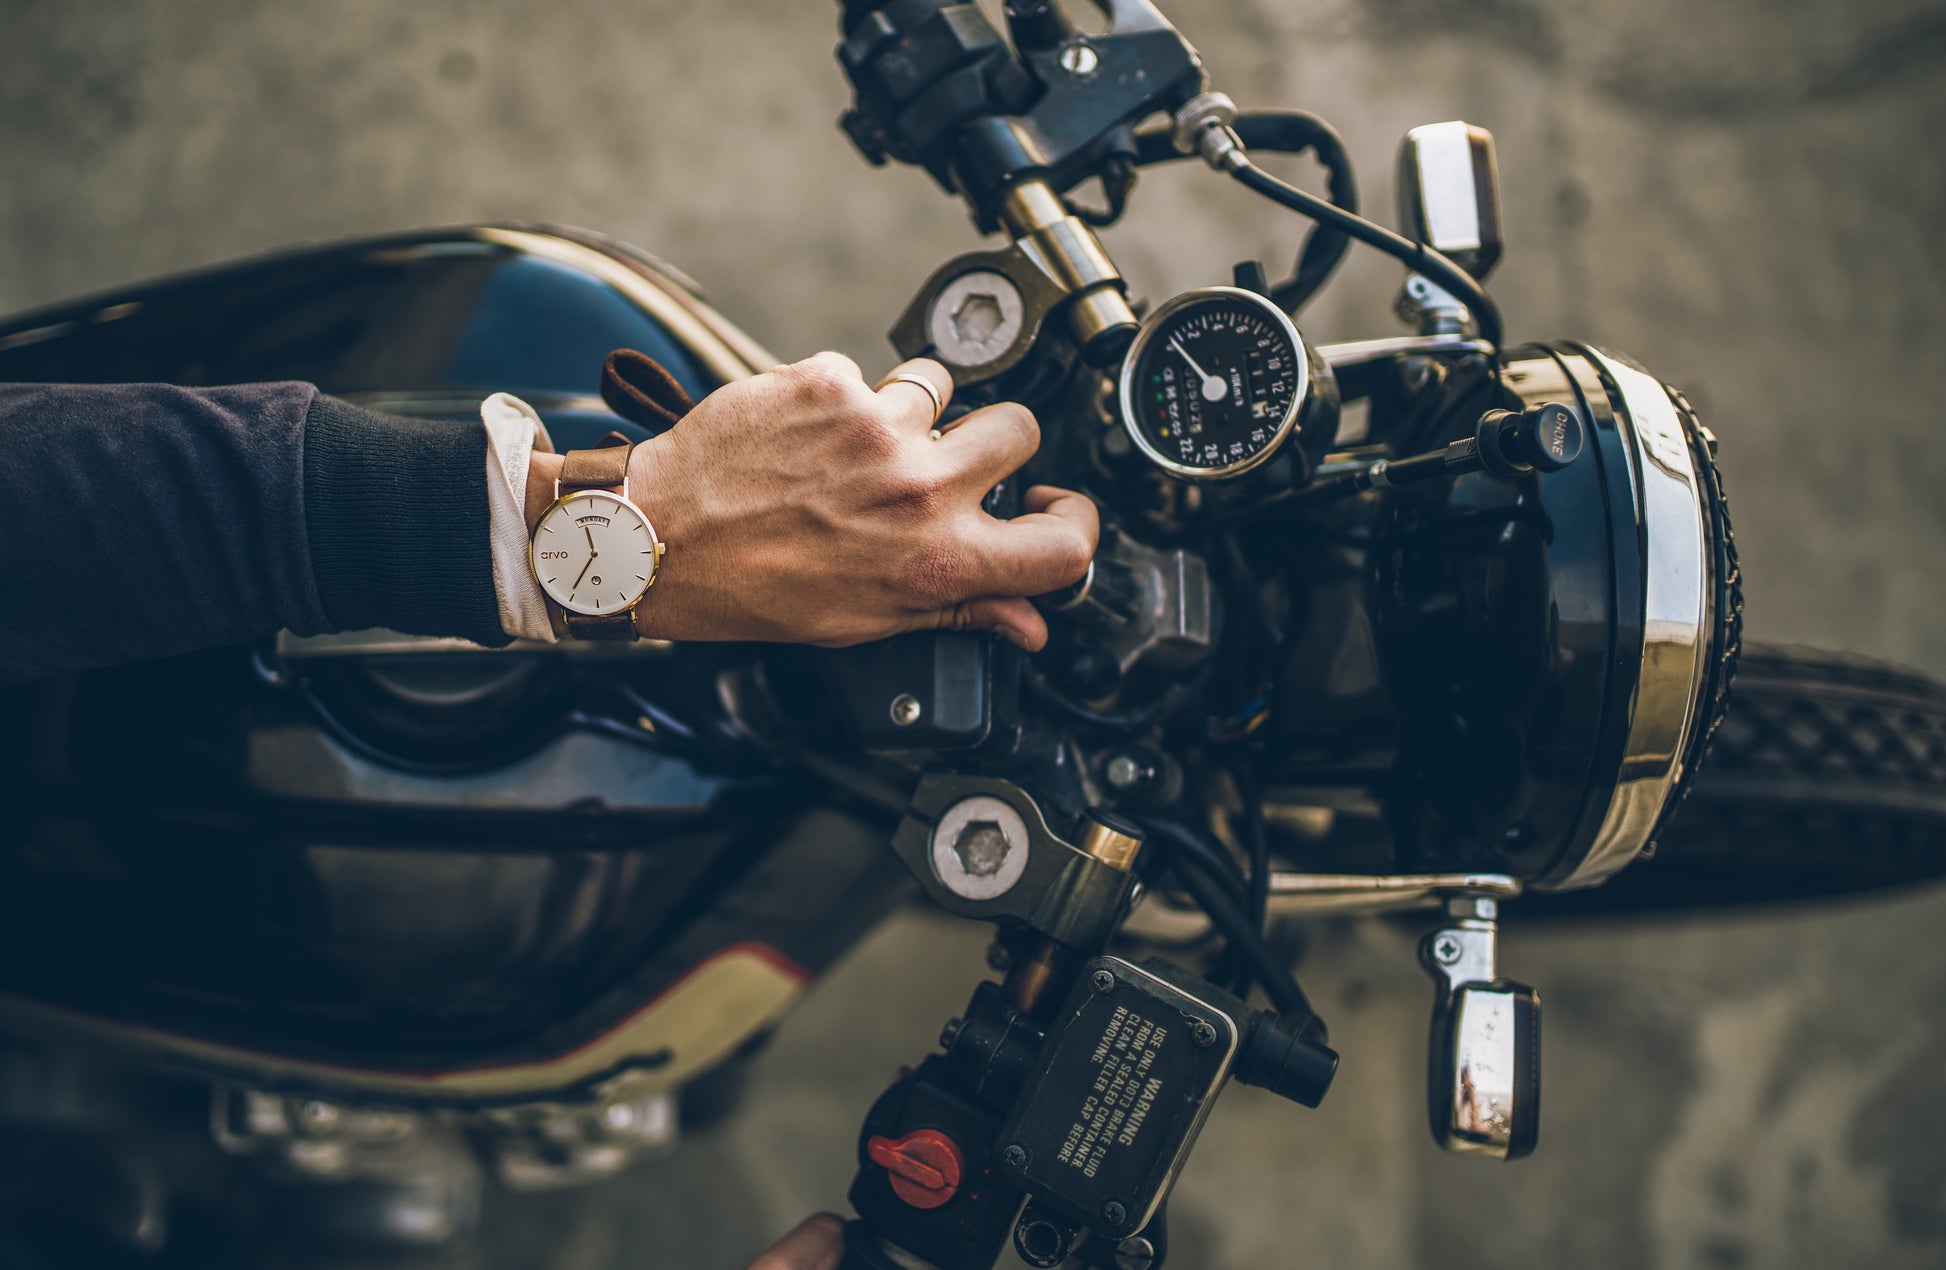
<point x="139" y="521"/>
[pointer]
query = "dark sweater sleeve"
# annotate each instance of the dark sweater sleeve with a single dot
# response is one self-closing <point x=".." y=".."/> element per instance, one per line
<point x="141" y="520"/>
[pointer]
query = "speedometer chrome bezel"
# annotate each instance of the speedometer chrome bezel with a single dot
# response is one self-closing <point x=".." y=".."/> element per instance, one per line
<point x="1157" y="321"/>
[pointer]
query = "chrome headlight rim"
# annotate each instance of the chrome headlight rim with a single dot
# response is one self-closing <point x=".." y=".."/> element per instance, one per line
<point x="1687" y="616"/>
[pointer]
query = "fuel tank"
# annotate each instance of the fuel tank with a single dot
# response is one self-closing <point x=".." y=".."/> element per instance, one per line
<point x="408" y="869"/>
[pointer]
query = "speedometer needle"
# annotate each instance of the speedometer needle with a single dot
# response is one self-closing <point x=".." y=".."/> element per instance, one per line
<point x="1214" y="387"/>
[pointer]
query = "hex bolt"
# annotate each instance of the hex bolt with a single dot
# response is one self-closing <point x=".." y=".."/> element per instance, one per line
<point x="1103" y="982"/>
<point x="1014" y="1156"/>
<point x="1202" y="1033"/>
<point x="906" y="710"/>
<point x="1446" y="950"/>
<point x="1113" y="1213"/>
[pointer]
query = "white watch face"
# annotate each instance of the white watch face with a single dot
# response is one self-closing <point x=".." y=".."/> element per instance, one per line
<point x="594" y="552"/>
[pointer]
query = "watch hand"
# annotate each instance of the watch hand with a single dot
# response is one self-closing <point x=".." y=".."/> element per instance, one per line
<point x="591" y="540"/>
<point x="1214" y="386"/>
<point x="583" y="573"/>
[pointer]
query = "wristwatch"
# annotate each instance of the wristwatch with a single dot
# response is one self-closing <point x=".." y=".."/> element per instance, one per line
<point x="593" y="551"/>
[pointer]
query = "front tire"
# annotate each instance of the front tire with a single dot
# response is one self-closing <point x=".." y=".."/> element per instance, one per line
<point x="1827" y="777"/>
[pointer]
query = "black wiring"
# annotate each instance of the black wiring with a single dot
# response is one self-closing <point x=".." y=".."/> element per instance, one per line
<point x="1216" y="862"/>
<point x="1257" y="843"/>
<point x="1287" y="132"/>
<point x="1244" y="581"/>
<point x="1189" y="856"/>
<point x="1117" y="181"/>
<point x="1154" y="711"/>
<point x="1419" y="257"/>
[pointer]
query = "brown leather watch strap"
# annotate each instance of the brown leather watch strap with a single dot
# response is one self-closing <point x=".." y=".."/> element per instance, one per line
<point x="600" y="625"/>
<point x="605" y="468"/>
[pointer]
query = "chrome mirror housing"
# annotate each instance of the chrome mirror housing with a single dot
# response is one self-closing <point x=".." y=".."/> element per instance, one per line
<point x="1483" y="1077"/>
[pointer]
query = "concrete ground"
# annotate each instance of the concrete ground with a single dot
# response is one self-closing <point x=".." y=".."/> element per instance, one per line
<point x="1746" y="196"/>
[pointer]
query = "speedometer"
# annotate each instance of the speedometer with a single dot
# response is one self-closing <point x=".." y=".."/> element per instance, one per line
<point x="1214" y="383"/>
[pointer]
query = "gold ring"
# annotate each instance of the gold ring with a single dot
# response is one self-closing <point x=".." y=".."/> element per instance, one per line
<point x="920" y="381"/>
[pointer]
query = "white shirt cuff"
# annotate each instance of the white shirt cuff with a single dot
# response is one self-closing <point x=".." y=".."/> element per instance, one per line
<point x="513" y="431"/>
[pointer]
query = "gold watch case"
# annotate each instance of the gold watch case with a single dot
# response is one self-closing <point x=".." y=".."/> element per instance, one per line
<point x="602" y="518"/>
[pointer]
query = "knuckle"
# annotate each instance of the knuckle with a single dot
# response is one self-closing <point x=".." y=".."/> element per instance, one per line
<point x="1073" y="556"/>
<point x="828" y="379"/>
<point x="1026" y="428"/>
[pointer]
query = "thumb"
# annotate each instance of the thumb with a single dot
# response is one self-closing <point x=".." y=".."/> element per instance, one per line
<point x="1015" y="619"/>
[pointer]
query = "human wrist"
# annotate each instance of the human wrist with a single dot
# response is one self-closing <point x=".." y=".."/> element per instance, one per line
<point x="647" y="470"/>
<point x="648" y="489"/>
<point x="543" y="478"/>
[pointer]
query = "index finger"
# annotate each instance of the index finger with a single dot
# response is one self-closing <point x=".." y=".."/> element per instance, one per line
<point x="1044" y="550"/>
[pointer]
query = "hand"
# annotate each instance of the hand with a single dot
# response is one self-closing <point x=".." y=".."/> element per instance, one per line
<point x="803" y="506"/>
<point x="818" y="1244"/>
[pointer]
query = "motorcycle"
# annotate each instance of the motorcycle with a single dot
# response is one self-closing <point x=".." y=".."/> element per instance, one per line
<point x="1414" y="623"/>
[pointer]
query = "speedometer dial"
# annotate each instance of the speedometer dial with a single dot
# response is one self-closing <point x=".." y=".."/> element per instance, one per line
<point x="1214" y="382"/>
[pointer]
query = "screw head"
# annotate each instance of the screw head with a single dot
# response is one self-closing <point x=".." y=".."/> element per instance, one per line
<point x="1102" y="982"/>
<point x="1446" y="950"/>
<point x="1080" y="60"/>
<point x="1014" y="1156"/>
<point x="949" y="1033"/>
<point x="906" y="710"/>
<point x="1134" y="1253"/>
<point x="1123" y="772"/>
<point x="1113" y="1213"/>
<point x="1202" y="1034"/>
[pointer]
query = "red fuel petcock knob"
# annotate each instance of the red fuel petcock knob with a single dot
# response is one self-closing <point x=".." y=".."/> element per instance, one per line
<point x="924" y="1166"/>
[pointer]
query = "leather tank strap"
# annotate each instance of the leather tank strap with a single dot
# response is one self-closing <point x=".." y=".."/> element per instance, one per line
<point x="640" y="389"/>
